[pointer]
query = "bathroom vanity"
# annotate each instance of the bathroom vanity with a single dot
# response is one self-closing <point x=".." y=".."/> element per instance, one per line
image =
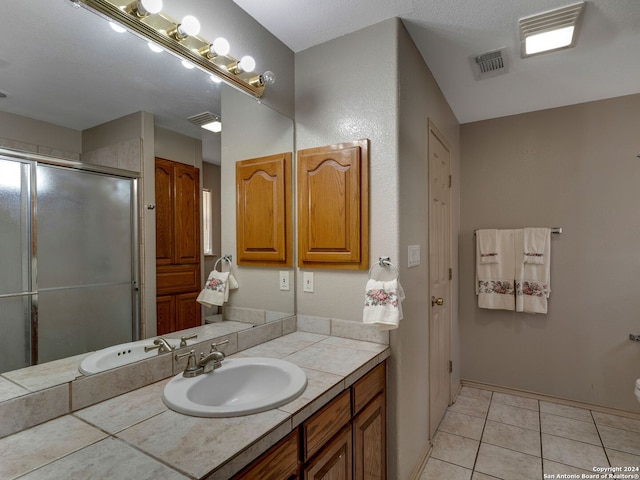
<point x="336" y="425"/>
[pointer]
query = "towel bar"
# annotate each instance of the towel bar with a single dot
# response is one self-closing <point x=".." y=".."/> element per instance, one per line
<point x="557" y="230"/>
<point x="227" y="258"/>
<point x="384" y="262"/>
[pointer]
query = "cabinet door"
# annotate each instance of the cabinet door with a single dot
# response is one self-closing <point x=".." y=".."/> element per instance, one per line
<point x="263" y="210"/>
<point x="164" y="212"/>
<point x="187" y="311"/>
<point x="334" y="462"/>
<point x="166" y="314"/>
<point x="333" y="206"/>
<point x="278" y="463"/>
<point x="369" y="449"/>
<point x="187" y="214"/>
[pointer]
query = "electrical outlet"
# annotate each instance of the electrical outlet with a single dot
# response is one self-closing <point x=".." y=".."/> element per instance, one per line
<point x="284" y="280"/>
<point x="307" y="280"/>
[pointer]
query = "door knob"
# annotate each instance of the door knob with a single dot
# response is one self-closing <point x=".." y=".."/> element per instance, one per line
<point x="437" y="301"/>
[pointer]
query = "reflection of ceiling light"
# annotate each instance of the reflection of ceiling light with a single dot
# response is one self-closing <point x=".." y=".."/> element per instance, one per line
<point x="154" y="48"/>
<point x="188" y="65"/>
<point x="215" y="79"/>
<point x="208" y="121"/>
<point x="117" y="28"/>
<point x="550" y="31"/>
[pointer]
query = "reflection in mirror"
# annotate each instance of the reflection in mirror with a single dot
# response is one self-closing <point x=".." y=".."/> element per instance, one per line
<point x="62" y="105"/>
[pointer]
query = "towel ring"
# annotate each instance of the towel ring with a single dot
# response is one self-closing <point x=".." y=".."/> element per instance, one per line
<point x="384" y="262"/>
<point x="227" y="258"/>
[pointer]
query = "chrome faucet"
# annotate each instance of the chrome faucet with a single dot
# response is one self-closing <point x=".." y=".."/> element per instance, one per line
<point x="161" y="344"/>
<point x="206" y="363"/>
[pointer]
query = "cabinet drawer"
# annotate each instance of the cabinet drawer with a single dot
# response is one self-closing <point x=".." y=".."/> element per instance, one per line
<point x="177" y="278"/>
<point x="326" y="423"/>
<point x="281" y="461"/>
<point x="368" y="387"/>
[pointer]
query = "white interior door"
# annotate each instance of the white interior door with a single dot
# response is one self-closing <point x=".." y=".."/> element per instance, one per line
<point x="439" y="277"/>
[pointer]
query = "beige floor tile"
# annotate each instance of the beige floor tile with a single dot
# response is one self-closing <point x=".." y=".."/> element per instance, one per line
<point x="569" y="428"/>
<point x="463" y="425"/>
<point x="516" y="401"/>
<point x="571" y="452"/>
<point x="512" y="437"/>
<point x="475" y="393"/>
<point x="482" y="476"/>
<point x="438" y="470"/>
<point x="508" y="464"/>
<point x="455" y="449"/>
<point x="617" y="421"/>
<point x="519" y="417"/>
<point x="473" y="406"/>
<point x="618" y="439"/>
<point x="622" y="459"/>
<point x="566" y="411"/>
<point x="549" y="467"/>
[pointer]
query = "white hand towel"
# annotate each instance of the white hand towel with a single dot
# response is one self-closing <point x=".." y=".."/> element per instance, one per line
<point x="232" y="284"/>
<point x="383" y="304"/>
<point x="495" y="281"/>
<point x="535" y="241"/>
<point x="488" y="245"/>
<point x="533" y="279"/>
<point x="215" y="289"/>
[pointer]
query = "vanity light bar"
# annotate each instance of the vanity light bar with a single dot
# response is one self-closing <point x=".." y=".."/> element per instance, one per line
<point x="158" y="29"/>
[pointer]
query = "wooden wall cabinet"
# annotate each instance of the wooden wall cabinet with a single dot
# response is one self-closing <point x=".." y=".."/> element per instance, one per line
<point x="333" y="206"/>
<point x="263" y="211"/>
<point x="177" y="246"/>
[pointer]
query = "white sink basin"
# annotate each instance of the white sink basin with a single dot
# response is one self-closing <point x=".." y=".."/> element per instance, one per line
<point x="119" y="355"/>
<point x="241" y="386"/>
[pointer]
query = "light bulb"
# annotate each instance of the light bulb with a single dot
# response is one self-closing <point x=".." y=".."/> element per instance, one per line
<point x="215" y="79"/>
<point x="188" y="65"/>
<point x="189" y="26"/>
<point x="221" y="46"/>
<point x="117" y="28"/>
<point x="148" y="7"/>
<point x="268" y="77"/>
<point x="247" y="64"/>
<point x="154" y="48"/>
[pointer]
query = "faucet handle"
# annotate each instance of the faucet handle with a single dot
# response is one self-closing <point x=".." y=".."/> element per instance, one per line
<point x="184" y="338"/>
<point x="214" y="346"/>
<point x="191" y="361"/>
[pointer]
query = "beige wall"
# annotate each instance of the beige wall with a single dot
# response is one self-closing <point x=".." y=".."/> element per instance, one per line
<point x="572" y="167"/>
<point x="390" y="103"/>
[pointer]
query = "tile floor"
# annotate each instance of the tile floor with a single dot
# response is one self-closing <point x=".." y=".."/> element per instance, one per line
<point x="488" y="435"/>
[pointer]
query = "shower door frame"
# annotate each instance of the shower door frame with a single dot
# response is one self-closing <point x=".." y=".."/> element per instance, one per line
<point x="33" y="160"/>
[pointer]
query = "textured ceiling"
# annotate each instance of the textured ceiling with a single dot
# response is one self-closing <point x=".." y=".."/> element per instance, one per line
<point x="605" y="63"/>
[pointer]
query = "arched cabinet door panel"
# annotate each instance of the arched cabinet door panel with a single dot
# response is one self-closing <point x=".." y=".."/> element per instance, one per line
<point x="333" y="206"/>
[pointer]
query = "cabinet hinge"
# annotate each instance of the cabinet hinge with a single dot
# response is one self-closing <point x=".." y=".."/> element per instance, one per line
<point x="450" y="274"/>
<point x="450" y="181"/>
<point x="450" y="366"/>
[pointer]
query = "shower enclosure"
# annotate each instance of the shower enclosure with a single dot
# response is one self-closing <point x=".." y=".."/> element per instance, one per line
<point x="68" y="260"/>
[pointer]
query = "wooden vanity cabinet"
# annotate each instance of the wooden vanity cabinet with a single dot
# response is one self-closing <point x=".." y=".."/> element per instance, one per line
<point x="344" y="440"/>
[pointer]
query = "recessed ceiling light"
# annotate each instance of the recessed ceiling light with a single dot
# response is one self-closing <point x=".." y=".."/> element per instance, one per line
<point x="550" y="31"/>
<point x="208" y="121"/>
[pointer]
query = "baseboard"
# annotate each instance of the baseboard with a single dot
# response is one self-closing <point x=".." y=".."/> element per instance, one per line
<point x="550" y="398"/>
<point x="422" y="463"/>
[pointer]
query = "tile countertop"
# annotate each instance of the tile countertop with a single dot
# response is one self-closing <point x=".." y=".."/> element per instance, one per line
<point x="135" y="436"/>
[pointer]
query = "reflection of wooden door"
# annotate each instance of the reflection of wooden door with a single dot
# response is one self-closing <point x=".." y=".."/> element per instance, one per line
<point x="177" y="245"/>
<point x="439" y="273"/>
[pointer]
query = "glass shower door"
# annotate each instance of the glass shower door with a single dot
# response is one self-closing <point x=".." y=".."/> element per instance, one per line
<point x="85" y="261"/>
<point x="15" y="264"/>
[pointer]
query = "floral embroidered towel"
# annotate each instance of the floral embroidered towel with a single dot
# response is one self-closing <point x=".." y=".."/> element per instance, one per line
<point x="383" y="304"/>
<point x="215" y="289"/>
<point x="533" y="278"/>
<point x="535" y="241"/>
<point x="488" y="246"/>
<point x="495" y="281"/>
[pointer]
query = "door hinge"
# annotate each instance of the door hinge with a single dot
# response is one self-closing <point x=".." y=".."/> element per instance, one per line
<point x="450" y="366"/>
<point x="450" y="181"/>
<point x="450" y="274"/>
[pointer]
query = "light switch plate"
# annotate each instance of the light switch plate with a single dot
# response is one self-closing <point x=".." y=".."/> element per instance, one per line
<point x="307" y="280"/>
<point x="284" y="280"/>
<point x="414" y="256"/>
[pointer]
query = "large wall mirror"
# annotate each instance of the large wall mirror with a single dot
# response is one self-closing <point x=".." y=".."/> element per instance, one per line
<point x="66" y="72"/>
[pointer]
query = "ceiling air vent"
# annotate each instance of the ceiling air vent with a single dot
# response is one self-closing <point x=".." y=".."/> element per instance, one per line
<point x="203" y="118"/>
<point x="490" y="64"/>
